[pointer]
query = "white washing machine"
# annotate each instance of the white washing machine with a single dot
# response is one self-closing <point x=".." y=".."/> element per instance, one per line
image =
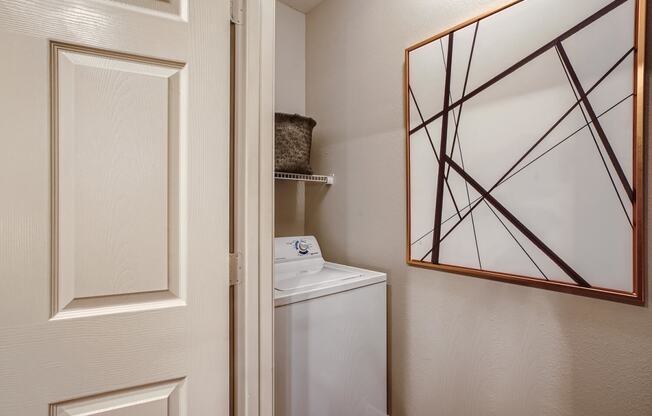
<point x="330" y="334"/>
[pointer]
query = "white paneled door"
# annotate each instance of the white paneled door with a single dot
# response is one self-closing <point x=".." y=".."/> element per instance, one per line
<point x="114" y="207"/>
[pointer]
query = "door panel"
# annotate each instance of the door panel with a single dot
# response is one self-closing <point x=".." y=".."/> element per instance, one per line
<point x="116" y="177"/>
<point x="162" y="399"/>
<point x="114" y="208"/>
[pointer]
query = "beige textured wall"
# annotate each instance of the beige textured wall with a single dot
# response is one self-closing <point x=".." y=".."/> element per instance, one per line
<point x="289" y="208"/>
<point x="290" y="98"/>
<point x="290" y="60"/>
<point x="460" y="346"/>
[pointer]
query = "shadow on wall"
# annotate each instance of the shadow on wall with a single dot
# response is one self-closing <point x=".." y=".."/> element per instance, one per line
<point x="289" y="208"/>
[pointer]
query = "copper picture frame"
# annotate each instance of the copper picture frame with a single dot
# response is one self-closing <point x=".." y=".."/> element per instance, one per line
<point x="555" y="61"/>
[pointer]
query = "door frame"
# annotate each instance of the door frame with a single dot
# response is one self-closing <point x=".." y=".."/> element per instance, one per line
<point x="253" y="335"/>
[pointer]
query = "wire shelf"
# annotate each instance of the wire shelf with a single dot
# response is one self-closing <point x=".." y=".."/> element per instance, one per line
<point x="327" y="179"/>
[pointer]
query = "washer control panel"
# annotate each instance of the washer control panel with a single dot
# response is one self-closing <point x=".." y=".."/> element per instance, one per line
<point x="295" y="248"/>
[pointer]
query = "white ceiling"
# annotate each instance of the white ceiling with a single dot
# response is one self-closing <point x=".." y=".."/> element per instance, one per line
<point x="302" y="5"/>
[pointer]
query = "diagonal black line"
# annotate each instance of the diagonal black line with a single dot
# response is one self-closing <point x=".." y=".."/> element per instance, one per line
<point x="416" y="104"/>
<point x="519" y="225"/>
<point x="450" y="97"/>
<point x="612" y="69"/>
<point x="466" y="81"/>
<point x="468" y="199"/>
<point x="586" y="22"/>
<point x="516" y="240"/>
<point x="442" y="151"/>
<point x="542" y="138"/>
<point x="528" y="164"/>
<point x="432" y="145"/>
<point x="424" y="235"/>
<point x="595" y="141"/>
<point x="459" y="146"/>
<point x="596" y="123"/>
<point x="564" y="139"/>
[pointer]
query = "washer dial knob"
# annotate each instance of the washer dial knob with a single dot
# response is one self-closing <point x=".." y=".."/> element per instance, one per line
<point x="303" y="247"/>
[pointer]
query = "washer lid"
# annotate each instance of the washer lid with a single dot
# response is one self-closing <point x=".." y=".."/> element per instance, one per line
<point x="304" y="279"/>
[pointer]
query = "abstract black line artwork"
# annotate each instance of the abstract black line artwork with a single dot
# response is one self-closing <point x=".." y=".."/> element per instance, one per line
<point x="525" y="147"/>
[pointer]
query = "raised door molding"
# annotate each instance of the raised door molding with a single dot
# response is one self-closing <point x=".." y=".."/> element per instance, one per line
<point x="160" y="399"/>
<point x="118" y="182"/>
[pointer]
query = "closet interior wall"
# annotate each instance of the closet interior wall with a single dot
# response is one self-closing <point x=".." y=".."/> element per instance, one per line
<point x="290" y="97"/>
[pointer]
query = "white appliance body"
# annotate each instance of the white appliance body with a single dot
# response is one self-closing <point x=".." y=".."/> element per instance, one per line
<point x="330" y="334"/>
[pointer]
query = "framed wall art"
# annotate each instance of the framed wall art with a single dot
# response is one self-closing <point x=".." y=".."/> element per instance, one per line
<point x="525" y="156"/>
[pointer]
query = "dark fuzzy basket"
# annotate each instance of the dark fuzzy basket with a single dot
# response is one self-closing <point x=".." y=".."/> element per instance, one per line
<point x="292" y="143"/>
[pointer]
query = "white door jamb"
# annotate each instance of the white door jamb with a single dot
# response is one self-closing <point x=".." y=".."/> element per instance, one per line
<point x="254" y="222"/>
